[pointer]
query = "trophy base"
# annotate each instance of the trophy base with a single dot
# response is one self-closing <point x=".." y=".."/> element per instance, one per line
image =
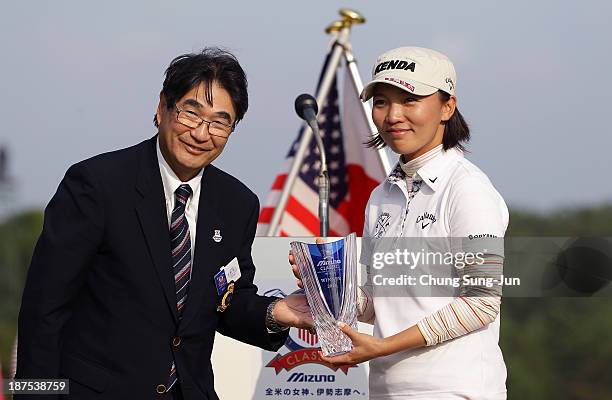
<point x="332" y="340"/>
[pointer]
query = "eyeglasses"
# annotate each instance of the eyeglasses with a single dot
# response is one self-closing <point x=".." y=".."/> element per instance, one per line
<point x="192" y="120"/>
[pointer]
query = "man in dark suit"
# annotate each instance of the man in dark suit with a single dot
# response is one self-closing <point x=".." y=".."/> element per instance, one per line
<point x="123" y="295"/>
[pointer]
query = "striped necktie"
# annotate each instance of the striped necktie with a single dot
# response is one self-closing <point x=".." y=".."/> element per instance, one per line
<point x="180" y="241"/>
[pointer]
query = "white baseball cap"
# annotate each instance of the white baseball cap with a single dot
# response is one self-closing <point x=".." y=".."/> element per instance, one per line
<point x="414" y="69"/>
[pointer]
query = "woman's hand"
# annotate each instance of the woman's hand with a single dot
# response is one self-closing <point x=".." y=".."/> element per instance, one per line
<point x="365" y="348"/>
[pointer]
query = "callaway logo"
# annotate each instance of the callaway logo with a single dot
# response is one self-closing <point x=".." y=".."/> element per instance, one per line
<point x="426" y="216"/>
<point x="394" y="64"/>
<point x="450" y="82"/>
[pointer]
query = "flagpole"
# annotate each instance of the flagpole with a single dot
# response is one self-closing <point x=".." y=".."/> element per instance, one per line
<point x="349" y="17"/>
<point x="351" y="63"/>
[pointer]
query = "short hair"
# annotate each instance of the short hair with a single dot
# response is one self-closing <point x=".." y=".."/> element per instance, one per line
<point x="456" y="130"/>
<point x="211" y="64"/>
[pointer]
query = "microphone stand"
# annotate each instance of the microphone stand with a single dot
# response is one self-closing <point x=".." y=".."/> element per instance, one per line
<point x="323" y="178"/>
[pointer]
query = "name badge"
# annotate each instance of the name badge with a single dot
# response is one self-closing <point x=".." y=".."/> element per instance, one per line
<point x="228" y="273"/>
<point x="232" y="270"/>
<point x="224" y="282"/>
<point x="220" y="282"/>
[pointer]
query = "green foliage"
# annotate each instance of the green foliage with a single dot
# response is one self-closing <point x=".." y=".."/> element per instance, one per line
<point x="596" y="221"/>
<point x="558" y="348"/>
<point x="17" y="238"/>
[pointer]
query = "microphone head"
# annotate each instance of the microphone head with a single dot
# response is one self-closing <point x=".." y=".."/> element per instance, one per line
<point x="304" y="102"/>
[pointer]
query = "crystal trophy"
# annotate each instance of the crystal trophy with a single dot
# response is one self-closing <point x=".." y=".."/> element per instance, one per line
<point x="329" y="274"/>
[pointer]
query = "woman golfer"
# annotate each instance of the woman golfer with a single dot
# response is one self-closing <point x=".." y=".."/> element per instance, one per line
<point x="429" y="347"/>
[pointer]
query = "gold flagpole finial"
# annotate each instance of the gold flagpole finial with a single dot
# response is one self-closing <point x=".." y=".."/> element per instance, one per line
<point x="335" y="26"/>
<point x="349" y="17"/>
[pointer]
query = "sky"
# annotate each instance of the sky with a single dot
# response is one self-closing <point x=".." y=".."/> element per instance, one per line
<point x="81" y="78"/>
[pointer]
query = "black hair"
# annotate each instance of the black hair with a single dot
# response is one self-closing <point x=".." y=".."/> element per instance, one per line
<point x="456" y="130"/>
<point x="211" y="64"/>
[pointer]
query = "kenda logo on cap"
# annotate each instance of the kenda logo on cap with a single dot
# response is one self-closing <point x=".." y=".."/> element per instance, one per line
<point x="395" y="64"/>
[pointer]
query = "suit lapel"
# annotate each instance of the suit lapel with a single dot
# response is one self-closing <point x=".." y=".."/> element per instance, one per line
<point x="154" y="221"/>
<point x="207" y="252"/>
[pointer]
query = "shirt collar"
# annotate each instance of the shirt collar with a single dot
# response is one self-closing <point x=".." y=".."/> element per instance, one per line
<point x="431" y="173"/>
<point x="434" y="171"/>
<point x="396" y="174"/>
<point x="171" y="182"/>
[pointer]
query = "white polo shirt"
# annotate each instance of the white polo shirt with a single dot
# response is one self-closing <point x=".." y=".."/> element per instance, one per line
<point x="451" y="198"/>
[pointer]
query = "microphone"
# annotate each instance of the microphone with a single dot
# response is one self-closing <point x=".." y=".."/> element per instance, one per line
<point x="306" y="108"/>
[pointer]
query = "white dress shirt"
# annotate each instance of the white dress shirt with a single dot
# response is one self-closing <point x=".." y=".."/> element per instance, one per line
<point x="171" y="182"/>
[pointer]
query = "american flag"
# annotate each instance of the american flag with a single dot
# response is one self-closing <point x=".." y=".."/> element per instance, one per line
<point x="308" y="337"/>
<point x="354" y="171"/>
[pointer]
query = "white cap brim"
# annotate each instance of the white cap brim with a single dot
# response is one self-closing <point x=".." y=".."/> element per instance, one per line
<point x="418" y="88"/>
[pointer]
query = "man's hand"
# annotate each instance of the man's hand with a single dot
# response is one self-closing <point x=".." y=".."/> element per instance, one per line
<point x="293" y="310"/>
<point x="294" y="267"/>
<point x="296" y="271"/>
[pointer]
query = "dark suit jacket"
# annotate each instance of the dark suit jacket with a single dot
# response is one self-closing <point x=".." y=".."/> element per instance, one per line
<point x="99" y="306"/>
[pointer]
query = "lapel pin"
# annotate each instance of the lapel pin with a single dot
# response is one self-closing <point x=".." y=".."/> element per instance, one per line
<point x="217" y="236"/>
